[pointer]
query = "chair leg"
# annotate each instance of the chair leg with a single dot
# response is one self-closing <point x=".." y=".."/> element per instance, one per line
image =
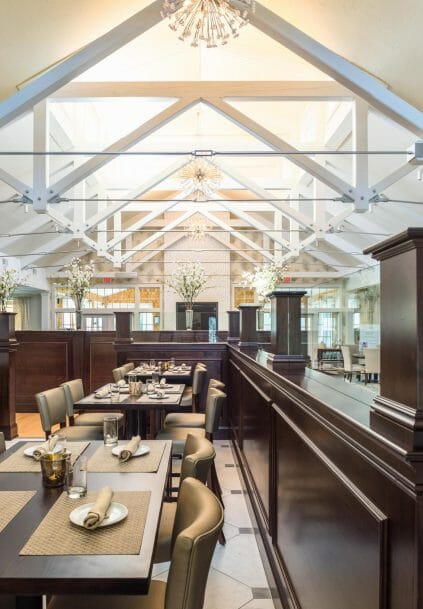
<point x="216" y="488"/>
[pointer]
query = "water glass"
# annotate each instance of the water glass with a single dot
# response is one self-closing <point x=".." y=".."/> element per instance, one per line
<point x="53" y="469"/>
<point x="152" y="364"/>
<point x="110" y="430"/>
<point x="150" y="386"/>
<point x="132" y="383"/>
<point x="114" y="394"/>
<point x="171" y="363"/>
<point x="76" y="478"/>
<point x="155" y="377"/>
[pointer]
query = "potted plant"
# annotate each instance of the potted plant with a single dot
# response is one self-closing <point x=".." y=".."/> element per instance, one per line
<point x="8" y="284"/>
<point x="188" y="280"/>
<point x="78" y="283"/>
<point x="263" y="279"/>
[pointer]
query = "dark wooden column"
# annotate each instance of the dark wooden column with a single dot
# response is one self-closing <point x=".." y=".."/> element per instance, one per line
<point x="8" y="347"/>
<point x="248" y="336"/>
<point x="123" y="335"/>
<point x="285" y="340"/>
<point x="398" y="411"/>
<point x="233" y="326"/>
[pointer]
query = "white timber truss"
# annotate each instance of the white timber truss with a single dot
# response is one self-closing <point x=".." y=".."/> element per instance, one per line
<point x="279" y="240"/>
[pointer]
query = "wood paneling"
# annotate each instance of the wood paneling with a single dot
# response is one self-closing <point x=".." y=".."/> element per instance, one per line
<point x="342" y="527"/>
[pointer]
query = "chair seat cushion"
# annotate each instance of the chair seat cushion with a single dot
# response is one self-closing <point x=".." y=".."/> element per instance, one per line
<point x="81" y="433"/>
<point x="185" y="419"/>
<point x="178" y="435"/>
<point x="186" y="400"/>
<point x="97" y="418"/>
<point x="164" y="537"/>
<point x="155" y="599"/>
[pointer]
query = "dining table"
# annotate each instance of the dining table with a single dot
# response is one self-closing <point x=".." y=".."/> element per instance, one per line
<point x="178" y="374"/>
<point x="136" y="406"/>
<point x="43" y="553"/>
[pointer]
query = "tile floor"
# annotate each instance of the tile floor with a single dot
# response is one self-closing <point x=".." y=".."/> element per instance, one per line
<point x="237" y="578"/>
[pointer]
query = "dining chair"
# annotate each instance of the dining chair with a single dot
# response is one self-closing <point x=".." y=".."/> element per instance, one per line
<point x="371" y="362"/>
<point x="2" y="442"/>
<point x="349" y="367"/>
<point x="198" y="521"/>
<point x="74" y="391"/>
<point x="198" y="456"/>
<point x="52" y="408"/>
<point x="127" y="367"/>
<point x="192" y="395"/>
<point x="118" y="374"/>
<point x="192" y="419"/>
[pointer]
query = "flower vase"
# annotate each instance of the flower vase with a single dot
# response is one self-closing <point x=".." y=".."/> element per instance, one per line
<point x="78" y="313"/>
<point x="189" y="315"/>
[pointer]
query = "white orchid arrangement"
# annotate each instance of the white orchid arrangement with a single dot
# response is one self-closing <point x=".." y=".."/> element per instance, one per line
<point x="263" y="279"/>
<point x="8" y="284"/>
<point x="79" y="279"/>
<point x="188" y="280"/>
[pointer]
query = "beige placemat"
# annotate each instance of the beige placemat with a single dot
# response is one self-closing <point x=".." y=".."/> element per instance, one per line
<point x="11" y="503"/>
<point x="18" y="462"/>
<point x="57" y="536"/>
<point x="103" y="460"/>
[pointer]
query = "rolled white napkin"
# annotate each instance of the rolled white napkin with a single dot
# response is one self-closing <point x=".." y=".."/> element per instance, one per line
<point x="121" y="383"/>
<point x="129" y="449"/>
<point x="98" y="512"/>
<point x="45" y="447"/>
<point x="102" y="393"/>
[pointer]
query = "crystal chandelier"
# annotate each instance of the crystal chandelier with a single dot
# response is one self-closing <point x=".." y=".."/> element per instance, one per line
<point x="196" y="231"/>
<point x="200" y="179"/>
<point x="212" y="21"/>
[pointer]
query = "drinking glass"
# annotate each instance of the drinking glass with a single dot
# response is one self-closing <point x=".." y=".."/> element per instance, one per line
<point x="132" y="383"/>
<point x="114" y="394"/>
<point x="155" y="377"/>
<point x="150" y="386"/>
<point x="152" y="364"/>
<point x="110" y="430"/>
<point x="76" y="478"/>
<point x="171" y="363"/>
<point x="53" y="469"/>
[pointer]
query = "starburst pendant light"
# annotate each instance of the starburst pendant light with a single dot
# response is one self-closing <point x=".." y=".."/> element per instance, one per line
<point x="212" y="21"/>
<point x="200" y="179"/>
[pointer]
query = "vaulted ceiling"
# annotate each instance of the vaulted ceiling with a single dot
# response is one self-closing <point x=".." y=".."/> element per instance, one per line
<point x="145" y="107"/>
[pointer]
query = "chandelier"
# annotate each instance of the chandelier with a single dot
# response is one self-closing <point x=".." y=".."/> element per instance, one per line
<point x="200" y="179"/>
<point x="212" y="21"/>
<point x="196" y="231"/>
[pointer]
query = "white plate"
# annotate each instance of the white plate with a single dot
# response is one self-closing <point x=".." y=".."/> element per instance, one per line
<point x="115" y="513"/>
<point x="141" y="450"/>
<point x="157" y="397"/>
<point x="29" y="452"/>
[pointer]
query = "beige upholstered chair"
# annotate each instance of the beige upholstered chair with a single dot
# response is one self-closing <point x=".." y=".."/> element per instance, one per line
<point x="127" y="367"/>
<point x="197" y="459"/>
<point x="191" y="396"/>
<point x="2" y="442"/>
<point x="52" y="408"/>
<point x="117" y="374"/>
<point x="349" y="367"/>
<point x="178" y="435"/>
<point x="198" y="521"/>
<point x="371" y="362"/>
<point x="192" y="419"/>
<point x="74" y="391"/>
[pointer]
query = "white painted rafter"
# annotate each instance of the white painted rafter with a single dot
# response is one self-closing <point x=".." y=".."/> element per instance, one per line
<point x="48" y="82"/>
<point x="124" y="143"/>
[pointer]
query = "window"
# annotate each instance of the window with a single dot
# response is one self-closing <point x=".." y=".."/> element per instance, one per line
<point x="149" y="321"/>
<point x="244" y="296"/>
<point x="65" y="321"/>
<point x="94" y="324"/>
<point x="327" y="328"/>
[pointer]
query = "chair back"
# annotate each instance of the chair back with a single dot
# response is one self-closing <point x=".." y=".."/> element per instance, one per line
<point x="2" y="442"/>
<point x="197" y="459"/>
<point x="372" y="360"/>
<point x="117" y="374"/>
<point x="215" y="384"/>
<point x="127" y="368"/>
<point x="74" y="391"/>
<point x="214" y="406"/>
<point x="198" y="521"/>
<point x="198" y="380"/>
<point x="52" y="407"/>
<point x="347" y="357"/>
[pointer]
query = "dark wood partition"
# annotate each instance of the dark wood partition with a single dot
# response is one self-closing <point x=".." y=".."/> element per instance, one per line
<point x="338" y="505"/>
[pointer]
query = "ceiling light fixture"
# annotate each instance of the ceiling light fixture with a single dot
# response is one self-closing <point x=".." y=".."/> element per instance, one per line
<point x="200" y="179"/>
<point x="211" y="21"/>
